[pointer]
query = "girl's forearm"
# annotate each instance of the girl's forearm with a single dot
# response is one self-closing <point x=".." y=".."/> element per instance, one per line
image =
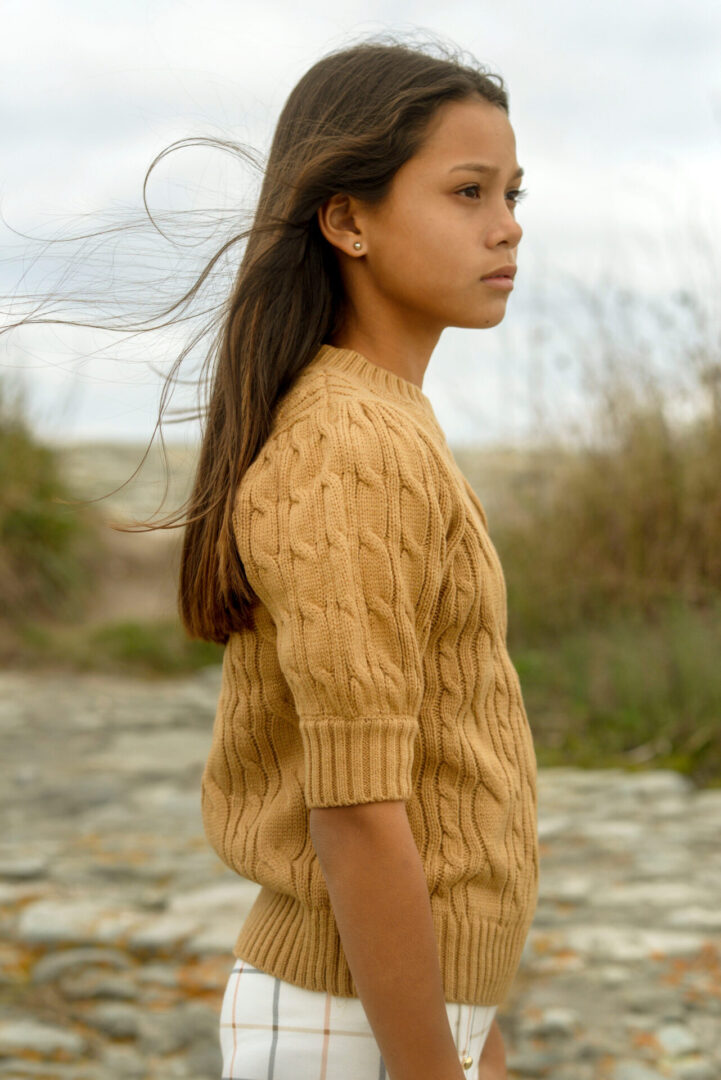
<point x="379" y="895"/>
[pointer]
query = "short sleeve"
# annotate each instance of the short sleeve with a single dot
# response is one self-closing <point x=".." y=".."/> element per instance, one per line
<point x="340" y="531"/>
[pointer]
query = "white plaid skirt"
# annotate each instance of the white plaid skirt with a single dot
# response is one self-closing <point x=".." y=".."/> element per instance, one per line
<point x="271" y="1029"/>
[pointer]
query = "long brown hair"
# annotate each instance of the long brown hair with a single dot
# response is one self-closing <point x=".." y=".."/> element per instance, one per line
<point x="348" y="125"/>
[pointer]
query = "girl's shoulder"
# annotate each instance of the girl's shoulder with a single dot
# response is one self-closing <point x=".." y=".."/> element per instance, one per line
<point x="328" y="419"/>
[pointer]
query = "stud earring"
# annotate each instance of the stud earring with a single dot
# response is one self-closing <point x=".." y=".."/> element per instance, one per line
<point x="357" y="245"/>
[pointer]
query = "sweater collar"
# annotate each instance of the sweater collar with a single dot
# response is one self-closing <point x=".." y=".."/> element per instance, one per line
<point x="379" y="378"/>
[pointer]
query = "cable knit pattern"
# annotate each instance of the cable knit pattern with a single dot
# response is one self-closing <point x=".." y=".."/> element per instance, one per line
<point x="376" y="668"/>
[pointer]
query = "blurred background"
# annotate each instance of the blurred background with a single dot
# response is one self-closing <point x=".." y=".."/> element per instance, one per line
<point x="588" y="421"/>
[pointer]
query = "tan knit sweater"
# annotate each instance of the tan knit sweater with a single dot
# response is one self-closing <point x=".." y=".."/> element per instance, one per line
<point x="376" y="669"/>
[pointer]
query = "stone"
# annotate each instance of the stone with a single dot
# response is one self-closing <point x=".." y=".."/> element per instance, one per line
<point x="23" y="868"/>
<point x="121" y="1062"/>
<point x="635" y="1070"/>
<point x="531" y="1062"/>
<point x="660" y="784"/>
<point x="20" y="1035"/>
<point x="217" y="937"/>
<point x="52" y="965"/>
<point x="117" y="1020"/>
<point x="695" y="918"/>
<point x="157" y="974"/>
<point x="153" y="753"/>
<point x="639" y="894"/>
<point x="162" y="933"/>
<point x="50" y="1070"/>
<point x="677" y="1039"/>
<point x="553" y="825"/>
<point x="179" y="1027"/>
<point x="568" y="888"/>
<point x="696" y="1069"/>
<point x="49" y="922"/>
<point x="614" y="974"/>
<point x="238" y="895"/>
<point x="83" y="985"/>
<point x="609" y="830"/>
<point x="552" y="1021"/>
<point x="611" y="942"/>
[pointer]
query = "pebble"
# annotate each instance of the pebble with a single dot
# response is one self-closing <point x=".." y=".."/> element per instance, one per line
<point x="53" y="965"/>
<point x="633" y="1070"/>
<point x="117" y="920"/>
<point x="20" y="869"/>
<point x="48" y="1040"/>
<point x="113" y="1018"/>
<point x="676" y="1039"/>
<point x="697" y="1069"/>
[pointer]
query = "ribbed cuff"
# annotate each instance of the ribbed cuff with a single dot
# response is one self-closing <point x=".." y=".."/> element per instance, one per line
<point x="357" y="760"/>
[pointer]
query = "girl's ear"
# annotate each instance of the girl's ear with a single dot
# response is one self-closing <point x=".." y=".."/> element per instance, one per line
<point x="337" y="218"/>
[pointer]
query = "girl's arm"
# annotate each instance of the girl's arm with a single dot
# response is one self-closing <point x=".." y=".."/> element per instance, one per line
<point x="492" y="1065"/>
<point x="379" y="895"/>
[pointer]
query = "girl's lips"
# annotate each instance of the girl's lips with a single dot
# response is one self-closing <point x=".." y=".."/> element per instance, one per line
<point x="498" y="282"/>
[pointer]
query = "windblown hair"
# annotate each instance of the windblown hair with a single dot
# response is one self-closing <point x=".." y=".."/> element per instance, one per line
<point x="354" y="118"/>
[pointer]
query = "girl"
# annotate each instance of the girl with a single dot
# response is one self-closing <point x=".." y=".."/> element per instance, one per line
<point x="371" y="763"/>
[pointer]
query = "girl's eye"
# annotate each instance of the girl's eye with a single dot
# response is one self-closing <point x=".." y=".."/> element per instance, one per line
<point x="515" y="196"/>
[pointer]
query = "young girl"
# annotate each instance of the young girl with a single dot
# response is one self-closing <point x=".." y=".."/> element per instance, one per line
<point x="371" y="763"/>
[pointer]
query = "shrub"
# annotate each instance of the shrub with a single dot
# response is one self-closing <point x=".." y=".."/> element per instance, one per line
<point x="49" y="550"/>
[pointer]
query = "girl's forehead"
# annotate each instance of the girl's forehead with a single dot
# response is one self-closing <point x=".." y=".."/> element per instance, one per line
<point x="472" y="122"/>
<point x="469" y="131"/>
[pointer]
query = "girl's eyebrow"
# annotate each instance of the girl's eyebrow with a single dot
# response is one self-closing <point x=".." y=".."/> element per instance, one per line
<point x="477" y="166"/>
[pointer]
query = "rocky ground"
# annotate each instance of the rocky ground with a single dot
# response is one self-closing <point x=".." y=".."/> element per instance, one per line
<point x="117" y="920"/>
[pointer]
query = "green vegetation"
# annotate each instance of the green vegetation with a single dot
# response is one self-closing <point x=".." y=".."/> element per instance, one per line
<point x="631" y="691"/>
<point x="611" y="548"/>
<point x="143" y="648"/>
<point x="626" y="527"/>
<point x="53" y="553"/>
<point x="49" y="551"/>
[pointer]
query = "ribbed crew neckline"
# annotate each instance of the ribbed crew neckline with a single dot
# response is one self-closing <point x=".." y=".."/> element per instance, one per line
<point x="379" y="378"/>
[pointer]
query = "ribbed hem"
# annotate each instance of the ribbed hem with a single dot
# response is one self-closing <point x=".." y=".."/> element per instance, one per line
<point x="478" y="959"/>
<point x="357" y="760"/>
<point x="372" y="374"/>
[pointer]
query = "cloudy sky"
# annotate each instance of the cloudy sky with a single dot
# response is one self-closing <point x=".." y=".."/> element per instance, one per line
<point x="616" y="109"/>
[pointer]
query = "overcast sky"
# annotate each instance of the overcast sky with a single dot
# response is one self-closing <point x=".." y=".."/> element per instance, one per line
<point x="616" y="108"/>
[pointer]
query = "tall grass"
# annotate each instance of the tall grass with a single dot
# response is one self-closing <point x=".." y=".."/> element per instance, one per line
<point x="623" y="527"/>
<point x="50" y="552"/>
<point x="629" y="690"/>
<point x="53" y="554"/>
<point x="623" y="511"/>
<point x="612" y="556"/>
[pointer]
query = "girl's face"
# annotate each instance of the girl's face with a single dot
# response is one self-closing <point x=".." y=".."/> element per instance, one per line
<point x="443" y="226"/>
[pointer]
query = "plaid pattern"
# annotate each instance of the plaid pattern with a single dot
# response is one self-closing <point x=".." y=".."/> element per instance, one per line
<point x="271" y="1029"/>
